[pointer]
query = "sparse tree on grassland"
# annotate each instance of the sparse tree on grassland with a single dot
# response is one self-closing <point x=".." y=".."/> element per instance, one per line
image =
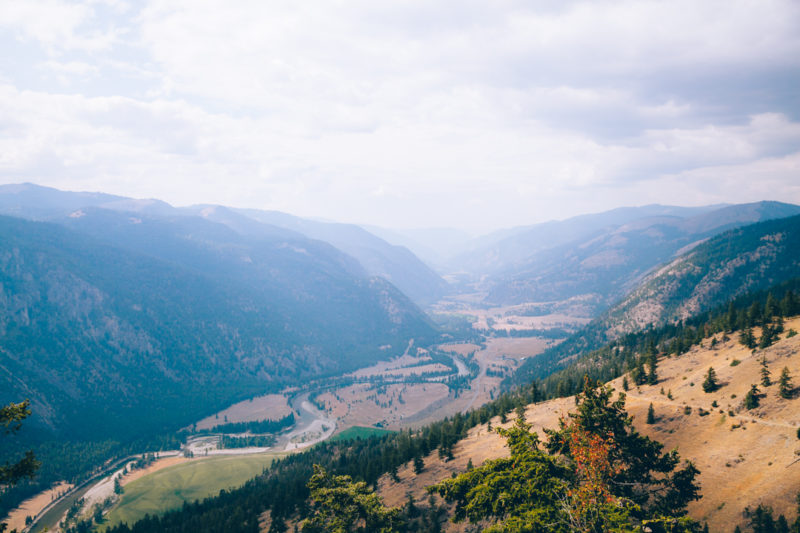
<point x="751" y="401"/>
<point x="651" y="415"/>
<point x="785" y="384"/>
<point x="765" y="373"/>
<point x="710" y="384"/>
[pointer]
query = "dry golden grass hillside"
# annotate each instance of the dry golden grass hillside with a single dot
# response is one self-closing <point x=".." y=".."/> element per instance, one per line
<point x="746" y="457"/>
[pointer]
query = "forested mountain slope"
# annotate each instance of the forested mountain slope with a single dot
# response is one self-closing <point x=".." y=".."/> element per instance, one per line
<point x="123" y="340"/>
<point x="742" y="260"/>
<point x="376" y="256"/>
<point x="604" y="261"/>
<point x="739" y="261"/>
<point x="394" y="263"/>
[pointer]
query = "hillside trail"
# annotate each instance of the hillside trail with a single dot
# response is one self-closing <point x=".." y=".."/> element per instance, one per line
<point x="673" y="403"/>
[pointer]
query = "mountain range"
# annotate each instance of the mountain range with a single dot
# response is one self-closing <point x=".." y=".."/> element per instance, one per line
<point x="599" y="258"/>
<point x="143" y="322"/>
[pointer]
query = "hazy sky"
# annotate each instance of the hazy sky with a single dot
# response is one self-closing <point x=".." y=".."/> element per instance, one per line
<point x="405" y="114"/>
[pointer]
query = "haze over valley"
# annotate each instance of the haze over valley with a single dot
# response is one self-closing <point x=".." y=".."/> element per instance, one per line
<point x="399" y="267"/>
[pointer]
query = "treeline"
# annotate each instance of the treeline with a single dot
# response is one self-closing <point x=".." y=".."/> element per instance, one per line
<point x="762" y="520"/>
<point x="74" y="462"/>
<point x="638" y="349"/>
<point x="256" y="426"/>
<point x="255" y="441"/>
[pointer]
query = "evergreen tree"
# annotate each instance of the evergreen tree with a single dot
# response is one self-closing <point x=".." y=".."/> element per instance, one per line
<point x="765" y="373"/>
<point x="730" y="317"/>
<point x="11" y="417"/>
<point x="710" y="384"/>
<point x="652" y="376"/>
<point x="785" y="384"/>
<point x="751" y="401"/>
<point x="643" y="473"/>
<point x="419" y="464"/>
<point x="639" y="375"/>
<point x="770" y="308"/>
<point x="342" y="505"/>
<point x="651" y="415"/>
<point x="767" y="337"/>
<point x="747" y="338"/>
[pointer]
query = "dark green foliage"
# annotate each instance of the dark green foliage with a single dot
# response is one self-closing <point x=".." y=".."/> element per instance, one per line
<point x="260" y="441"/>
<point x="258" y="426"/>
<point x="710" y="383"/>
<point x="651" y="415"/>
<point x="751" y="400"/>
<point x="341" y="505"/>
<point x="533" y="491"/>
<point x="419" y="464"/>
<point x="747" y="338"/>
<point x="785" y="387"/>
<point x="765" y="373"/>
<point x="762" y="520"/>
<point x="768" y="336"/>
<point x="524" y="491"/>
<point x="645" y="475"/>
<point x="11" y="473"/>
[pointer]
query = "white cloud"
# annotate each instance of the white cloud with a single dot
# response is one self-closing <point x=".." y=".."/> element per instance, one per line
<point x="477" y="115"/>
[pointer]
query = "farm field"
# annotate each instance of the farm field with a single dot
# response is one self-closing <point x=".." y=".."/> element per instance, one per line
<point x="268" y="407"/>
<point x="188" y="481"/>
<point x="359" y="432"/>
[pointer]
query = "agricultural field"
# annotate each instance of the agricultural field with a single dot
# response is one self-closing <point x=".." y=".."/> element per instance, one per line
<point x="268" y="407"/>
<point x="359" y="432"/>
<point x="388" y="405"/>
<point x="188" y="481"/>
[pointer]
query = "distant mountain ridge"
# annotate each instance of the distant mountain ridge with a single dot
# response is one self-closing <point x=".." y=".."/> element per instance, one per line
<point x="743" y="260"/>
<point x="608" y="261"/>
<point x="396" y="264"/>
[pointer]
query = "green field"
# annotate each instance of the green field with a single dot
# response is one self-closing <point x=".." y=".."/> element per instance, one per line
<point x="360" y="432"/>
<point x="169" y="488"/>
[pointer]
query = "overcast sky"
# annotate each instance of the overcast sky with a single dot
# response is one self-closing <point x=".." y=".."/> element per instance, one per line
<point x="475" y="115"/>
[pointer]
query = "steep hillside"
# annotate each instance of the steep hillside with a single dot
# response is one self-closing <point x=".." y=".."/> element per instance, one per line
<point x="737" y="262"/>
<point x="609" y="260"/>
<point x="509" y="250"/>
<point x="743" y="260"/>
<point x="377" y="257"/>
<point x="394" y="263"/>
<point x="177" y="319"/>
<point x="746" y="457"/>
